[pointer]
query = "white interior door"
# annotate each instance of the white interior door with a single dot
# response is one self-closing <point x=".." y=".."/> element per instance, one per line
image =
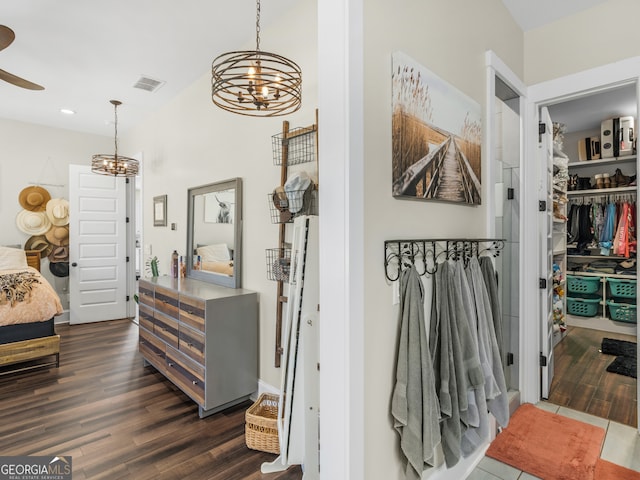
<point x="545" y="159"/>
<point x="97" y="247"/>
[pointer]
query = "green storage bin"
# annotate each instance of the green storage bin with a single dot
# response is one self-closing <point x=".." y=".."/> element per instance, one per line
<point x="584" y="307"/>
<point x="622" y="312"/>
<point x="622" y="288"/>
<point x="578" y="284"/>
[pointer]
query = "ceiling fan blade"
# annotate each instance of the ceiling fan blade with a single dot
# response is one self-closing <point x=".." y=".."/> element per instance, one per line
<point x="20" y="82"/>
<point x="6" y="37"/>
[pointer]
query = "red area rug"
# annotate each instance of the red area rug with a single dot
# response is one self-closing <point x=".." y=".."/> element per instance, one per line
<point x="610" y="471"/>
<point x="549" y="446"/>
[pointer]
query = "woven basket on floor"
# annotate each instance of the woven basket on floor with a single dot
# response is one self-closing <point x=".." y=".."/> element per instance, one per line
<point x="261" y="424"/>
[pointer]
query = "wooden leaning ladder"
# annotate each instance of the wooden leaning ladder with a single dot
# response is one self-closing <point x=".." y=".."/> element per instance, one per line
<point x="281" y="299"/>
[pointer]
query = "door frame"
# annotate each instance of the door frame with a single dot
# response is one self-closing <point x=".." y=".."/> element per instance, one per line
<point x="495" y="67"/>
<point x="130" y="243"/>
<point x="539" y="95"/>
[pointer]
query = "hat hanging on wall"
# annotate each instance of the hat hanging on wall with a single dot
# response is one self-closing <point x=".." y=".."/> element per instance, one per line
<point x="59" y="269"/>
<point x="58" y="236"/>
<point x="59" y="254"/>
<point x="58" y="211"/>
<point x="32" y="223"/>
<point x="40" y="244"/>
<point x="34" y="198"/>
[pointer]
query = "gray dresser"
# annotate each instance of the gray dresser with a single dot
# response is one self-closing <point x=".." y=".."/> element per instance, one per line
<point x="202" y="337"/>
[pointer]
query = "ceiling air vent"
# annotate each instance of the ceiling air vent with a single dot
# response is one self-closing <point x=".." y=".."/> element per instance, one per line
<point x="149" y="84"/>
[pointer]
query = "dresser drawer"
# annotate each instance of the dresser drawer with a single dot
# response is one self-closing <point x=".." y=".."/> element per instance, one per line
<point x="152" y="348"/>
<point x="192" y="312"/>
<point x="145" y="316"/>
<point x="145" y="293"/>
<point x="186" y="374"/>
<point x="166" y="301"/>
<point x="166" y="328"/>
<point x="191" y="343"/>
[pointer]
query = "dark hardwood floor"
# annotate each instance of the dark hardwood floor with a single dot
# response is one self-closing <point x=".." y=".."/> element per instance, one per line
<point x="120" y="420"/>
<point x="581" y="380"/>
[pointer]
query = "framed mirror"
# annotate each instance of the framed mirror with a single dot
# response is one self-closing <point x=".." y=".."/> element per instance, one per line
<point x="214" y="232"/>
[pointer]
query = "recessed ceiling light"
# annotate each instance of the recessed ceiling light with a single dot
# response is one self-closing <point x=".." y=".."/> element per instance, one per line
<point x="67" y="111"/>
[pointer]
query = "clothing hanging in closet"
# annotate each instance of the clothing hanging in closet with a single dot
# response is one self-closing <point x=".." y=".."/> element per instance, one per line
<point x="609" y="226"/>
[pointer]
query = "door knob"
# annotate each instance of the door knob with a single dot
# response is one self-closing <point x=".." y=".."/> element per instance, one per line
<point x="74" y="264"/>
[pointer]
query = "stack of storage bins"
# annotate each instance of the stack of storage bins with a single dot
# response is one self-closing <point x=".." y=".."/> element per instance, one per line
<point x="622" y="302"/>
<point x="583" y="298"/>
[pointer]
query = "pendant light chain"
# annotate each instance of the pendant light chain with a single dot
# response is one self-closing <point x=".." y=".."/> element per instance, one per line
<point x="115" y="139"/>
<point x="105" y="164"/>
<point x="258" y="25"/>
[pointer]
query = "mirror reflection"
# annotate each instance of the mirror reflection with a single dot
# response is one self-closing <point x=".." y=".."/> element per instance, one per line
<point x="213" y="239"/>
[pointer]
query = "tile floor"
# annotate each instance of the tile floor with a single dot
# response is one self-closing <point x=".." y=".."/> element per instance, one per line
<point x="621" y="446"/>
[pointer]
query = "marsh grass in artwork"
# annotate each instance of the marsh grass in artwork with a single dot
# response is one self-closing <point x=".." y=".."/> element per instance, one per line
<point x="436" y="137"/>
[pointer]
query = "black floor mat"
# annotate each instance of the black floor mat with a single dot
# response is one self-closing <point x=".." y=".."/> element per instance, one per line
<point x="611" y="346"/>
<point x="626" y="360"/>
<point x="624" y="366"/>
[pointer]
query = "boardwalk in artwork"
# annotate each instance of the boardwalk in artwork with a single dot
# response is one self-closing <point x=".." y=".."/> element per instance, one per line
<point x="450" y="187"/>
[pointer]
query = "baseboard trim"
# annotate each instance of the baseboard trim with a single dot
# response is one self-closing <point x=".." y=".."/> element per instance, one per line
<point x="264" y="387"/>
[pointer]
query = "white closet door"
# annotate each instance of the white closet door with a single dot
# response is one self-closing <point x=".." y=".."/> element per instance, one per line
<point x="97" y="277"/>
<point x="545" y="161"/>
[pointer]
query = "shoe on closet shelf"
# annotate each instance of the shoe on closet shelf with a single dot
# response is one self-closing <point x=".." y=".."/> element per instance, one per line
<point x="628" y="264"/>
<point x="620" y="179"/>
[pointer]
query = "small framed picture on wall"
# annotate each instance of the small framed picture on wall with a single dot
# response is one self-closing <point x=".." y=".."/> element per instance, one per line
<point x="160" y="211"/>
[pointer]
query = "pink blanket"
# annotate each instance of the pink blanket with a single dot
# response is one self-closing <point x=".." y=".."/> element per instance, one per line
<point x="35" y="300"/>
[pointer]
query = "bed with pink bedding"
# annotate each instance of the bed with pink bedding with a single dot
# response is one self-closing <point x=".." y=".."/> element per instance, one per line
<point x="28" y="305"/>
<point x="26" y="297"/>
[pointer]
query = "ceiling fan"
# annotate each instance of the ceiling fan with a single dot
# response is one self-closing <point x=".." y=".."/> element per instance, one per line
<point x="7" y="36"/>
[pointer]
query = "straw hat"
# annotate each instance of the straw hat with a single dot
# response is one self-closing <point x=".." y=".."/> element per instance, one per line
<point x="59" y="254"/>
<point x="32" y="223"/>
<point x="58" y="211"/>
<point x="34" y="198"/>
<point x="40" y="244"/>
<point x="58" y="236"/>
<point x="59" y="269"/>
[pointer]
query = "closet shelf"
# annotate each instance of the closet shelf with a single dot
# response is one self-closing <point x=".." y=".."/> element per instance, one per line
<point x="598" y="257"/>
<point x="605" y="161"/>
<point x="601" y="191"/>
<point x="598" y="274"/>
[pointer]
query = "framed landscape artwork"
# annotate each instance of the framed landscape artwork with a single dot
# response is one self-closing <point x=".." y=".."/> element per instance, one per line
<point x="436" y="137"/>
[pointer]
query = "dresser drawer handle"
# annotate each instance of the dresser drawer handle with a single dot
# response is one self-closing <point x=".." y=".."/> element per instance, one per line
<point x="189" y="344"/>
<point x="170" y="364"/>
<point x="195" y="382"/>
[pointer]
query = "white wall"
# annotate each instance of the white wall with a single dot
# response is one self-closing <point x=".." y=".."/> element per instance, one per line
<point x="602" y="34"/>
<point x="450" y="39"/>
<point x="192" y="142"/>
<point x="33" y="154"/>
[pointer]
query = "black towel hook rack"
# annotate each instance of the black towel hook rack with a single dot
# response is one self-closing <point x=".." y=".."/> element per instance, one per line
<point x="423" y="254"/>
